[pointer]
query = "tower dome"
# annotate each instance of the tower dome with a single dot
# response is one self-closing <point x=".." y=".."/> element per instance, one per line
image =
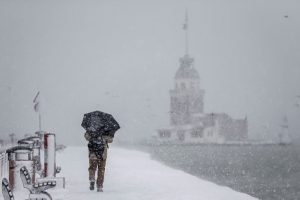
<point x="186" y="69"/>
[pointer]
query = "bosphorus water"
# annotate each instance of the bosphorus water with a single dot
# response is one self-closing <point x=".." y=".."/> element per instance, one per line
<point x="269" y="172"/>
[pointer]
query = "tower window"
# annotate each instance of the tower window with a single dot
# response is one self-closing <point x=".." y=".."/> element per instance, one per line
<point x="164" y="134"/>
<point x="197" y="132"/>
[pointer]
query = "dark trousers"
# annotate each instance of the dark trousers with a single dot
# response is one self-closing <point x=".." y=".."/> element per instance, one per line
<point x="94" y="164"/>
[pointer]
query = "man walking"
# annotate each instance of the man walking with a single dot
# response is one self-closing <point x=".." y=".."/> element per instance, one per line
<point x="98" y="146"/>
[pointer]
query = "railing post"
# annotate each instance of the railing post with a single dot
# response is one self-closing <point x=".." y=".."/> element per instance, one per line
<point x="48" y="157"/>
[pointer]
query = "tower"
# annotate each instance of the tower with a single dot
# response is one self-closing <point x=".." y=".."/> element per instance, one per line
<point x="186" y="99"/>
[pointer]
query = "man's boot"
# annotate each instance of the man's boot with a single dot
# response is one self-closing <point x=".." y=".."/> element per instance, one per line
<point x="99" y="188"/>
<point x="92" y="185"/>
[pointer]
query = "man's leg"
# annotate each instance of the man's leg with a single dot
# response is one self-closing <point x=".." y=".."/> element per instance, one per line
<point x="101" y="171"/>
<point x="92" y="172"/>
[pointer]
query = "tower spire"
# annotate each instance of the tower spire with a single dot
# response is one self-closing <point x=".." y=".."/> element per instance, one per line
<point x="185" y="28"/>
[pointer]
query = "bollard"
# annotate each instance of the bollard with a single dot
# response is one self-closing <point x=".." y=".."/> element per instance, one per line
<point x="48" y="141"/>
<point x="18" y="157"/>
<point x="49" y="158"/>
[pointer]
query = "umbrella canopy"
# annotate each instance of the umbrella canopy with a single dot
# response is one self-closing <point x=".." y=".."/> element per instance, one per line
<point x="100" y="123"/>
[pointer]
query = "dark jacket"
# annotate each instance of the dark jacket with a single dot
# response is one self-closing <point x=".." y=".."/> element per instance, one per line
<point x="102" y="141"/>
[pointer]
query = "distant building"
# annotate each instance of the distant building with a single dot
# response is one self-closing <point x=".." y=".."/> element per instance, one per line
<point x="188" y="122"/>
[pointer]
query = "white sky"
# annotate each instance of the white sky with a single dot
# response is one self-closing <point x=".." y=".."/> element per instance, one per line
<point x="121" y="57"/>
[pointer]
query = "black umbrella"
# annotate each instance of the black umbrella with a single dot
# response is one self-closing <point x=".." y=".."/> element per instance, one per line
<point x="100" y="123"/>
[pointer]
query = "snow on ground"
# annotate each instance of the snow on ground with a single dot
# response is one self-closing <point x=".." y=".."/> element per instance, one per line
<point x="133" y="175"/>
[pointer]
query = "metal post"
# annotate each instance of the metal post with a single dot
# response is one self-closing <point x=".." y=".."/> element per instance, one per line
<point x="50" y="154"/>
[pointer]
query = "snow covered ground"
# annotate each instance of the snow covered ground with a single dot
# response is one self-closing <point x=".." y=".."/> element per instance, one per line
<point x="133" y="175"/>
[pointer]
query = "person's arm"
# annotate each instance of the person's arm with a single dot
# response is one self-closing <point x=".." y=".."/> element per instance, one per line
<point x="108" y="139"/>
<point x="87" y="136"/>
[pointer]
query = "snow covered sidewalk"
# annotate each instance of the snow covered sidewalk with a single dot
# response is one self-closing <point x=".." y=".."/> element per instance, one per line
<point x="133" y="175"/>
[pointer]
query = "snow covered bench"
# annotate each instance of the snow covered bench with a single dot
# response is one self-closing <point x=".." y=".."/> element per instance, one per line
<point x="37" y="190"/>
<point x="6" y="191"/>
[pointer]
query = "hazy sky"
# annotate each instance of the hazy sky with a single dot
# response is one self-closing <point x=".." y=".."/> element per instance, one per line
<point x="121" y="56"/>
